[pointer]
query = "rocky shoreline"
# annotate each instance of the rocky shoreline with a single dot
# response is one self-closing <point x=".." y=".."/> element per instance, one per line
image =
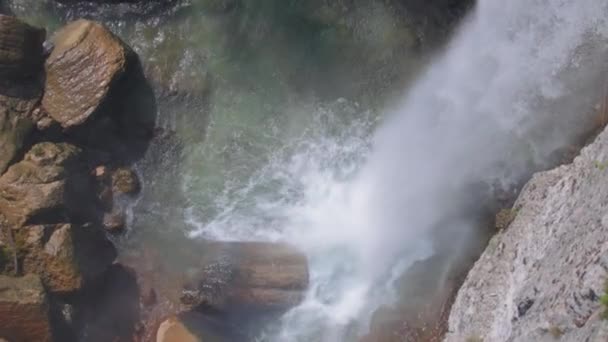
<point x="76" y="112"/>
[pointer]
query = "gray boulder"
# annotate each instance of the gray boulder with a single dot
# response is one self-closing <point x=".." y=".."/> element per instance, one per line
<point x="541" y="278"/>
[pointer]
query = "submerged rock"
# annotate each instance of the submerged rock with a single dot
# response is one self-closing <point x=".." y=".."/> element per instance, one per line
<point x="24" y="310"/>
<point x="237" y="277"/>
<point x="542" y="277"/>
<point x="125" y="181"/>
<point x="86" y="61"/>
<point x="114" y="221"/>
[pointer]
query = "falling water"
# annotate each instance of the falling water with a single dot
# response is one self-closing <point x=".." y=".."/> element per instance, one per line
<point x="364" y="200"/>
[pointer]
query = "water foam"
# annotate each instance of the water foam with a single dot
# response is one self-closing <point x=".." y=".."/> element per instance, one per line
<point x="512" y="87"/>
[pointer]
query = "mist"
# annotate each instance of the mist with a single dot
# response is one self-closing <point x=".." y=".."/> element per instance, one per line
<point x="517" y="85"/>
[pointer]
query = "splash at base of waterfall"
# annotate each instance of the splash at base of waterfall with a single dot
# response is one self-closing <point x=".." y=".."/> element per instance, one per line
<point x="515" y="85"/>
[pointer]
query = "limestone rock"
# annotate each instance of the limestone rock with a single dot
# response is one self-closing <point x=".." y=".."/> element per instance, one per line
<point x="20" y="48"/>
<point x="248" y="276"/>
<point x="541" y="278"/>
<point x="86" y="61"/>
<point x="24" y="310"/>
<point x="37" y="185"/>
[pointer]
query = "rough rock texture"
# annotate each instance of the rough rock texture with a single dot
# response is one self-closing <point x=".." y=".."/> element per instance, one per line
<point x="65" y="256"/>
<point x="20" y="48"/>
<point x="541" y="278"/>
<point x="14" y="127"/>
<point x="86" y="61"/>
<point x="24" y="310"/>
<point x="21" y="63"/>
<point x="37" y="185"/>
<point x="125" y="181"/>
<point x="238" y="276"/>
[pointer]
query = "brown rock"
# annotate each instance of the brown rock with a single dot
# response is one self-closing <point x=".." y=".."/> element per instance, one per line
<point x="20" y="48"/>
<point x="86" y="61"/>
<point x="172" y="330"/>
<point x="64" y="255"/>
<point x="100" y="172"/>
<point x="37" y="185"/>
<point x="194" y="327"/>
<point x="23" y="309"/>
<point x="125" y="181"/>
<point x="114" y="222"/>
<point x="20" y="90"/>
<point x="14" y="128"/>
<point x="248" y="276"/>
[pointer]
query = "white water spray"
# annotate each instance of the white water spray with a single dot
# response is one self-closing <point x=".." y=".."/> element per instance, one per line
<point x="517" y="83"/>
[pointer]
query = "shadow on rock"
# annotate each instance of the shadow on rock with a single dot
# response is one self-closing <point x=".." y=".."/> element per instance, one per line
<point x="110" y="309"/>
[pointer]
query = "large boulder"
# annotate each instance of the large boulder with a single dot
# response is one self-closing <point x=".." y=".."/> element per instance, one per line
<point x="544" y="276"/>
<point x="66" y="256"/>
<point x="20" y="48"/>
<point x="86" y="61"/>
<point x="238" y="277"/>
<point x="38" y="185"/>
<point x="24" y="310"/>
<point x="49" y="187"/>
<point x="21" y="61"/>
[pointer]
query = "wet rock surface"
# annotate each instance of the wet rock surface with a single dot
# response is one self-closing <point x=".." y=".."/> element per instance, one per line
<point x="541" y="278"/>
<point x="24" y="310"/>
<point x="191" y="327"/>
<point x="237" y="277"/>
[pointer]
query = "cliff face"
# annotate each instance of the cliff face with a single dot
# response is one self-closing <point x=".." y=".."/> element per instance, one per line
<point x="541" y="278"/>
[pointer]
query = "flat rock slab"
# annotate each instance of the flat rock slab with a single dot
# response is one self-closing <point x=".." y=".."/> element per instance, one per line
<point x="87" y="59"/>
<point x="241" y="276"/>
<point x="23" y="309"/>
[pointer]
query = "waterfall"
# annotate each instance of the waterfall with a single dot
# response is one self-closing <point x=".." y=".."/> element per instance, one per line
<point x="364" y="200"/>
